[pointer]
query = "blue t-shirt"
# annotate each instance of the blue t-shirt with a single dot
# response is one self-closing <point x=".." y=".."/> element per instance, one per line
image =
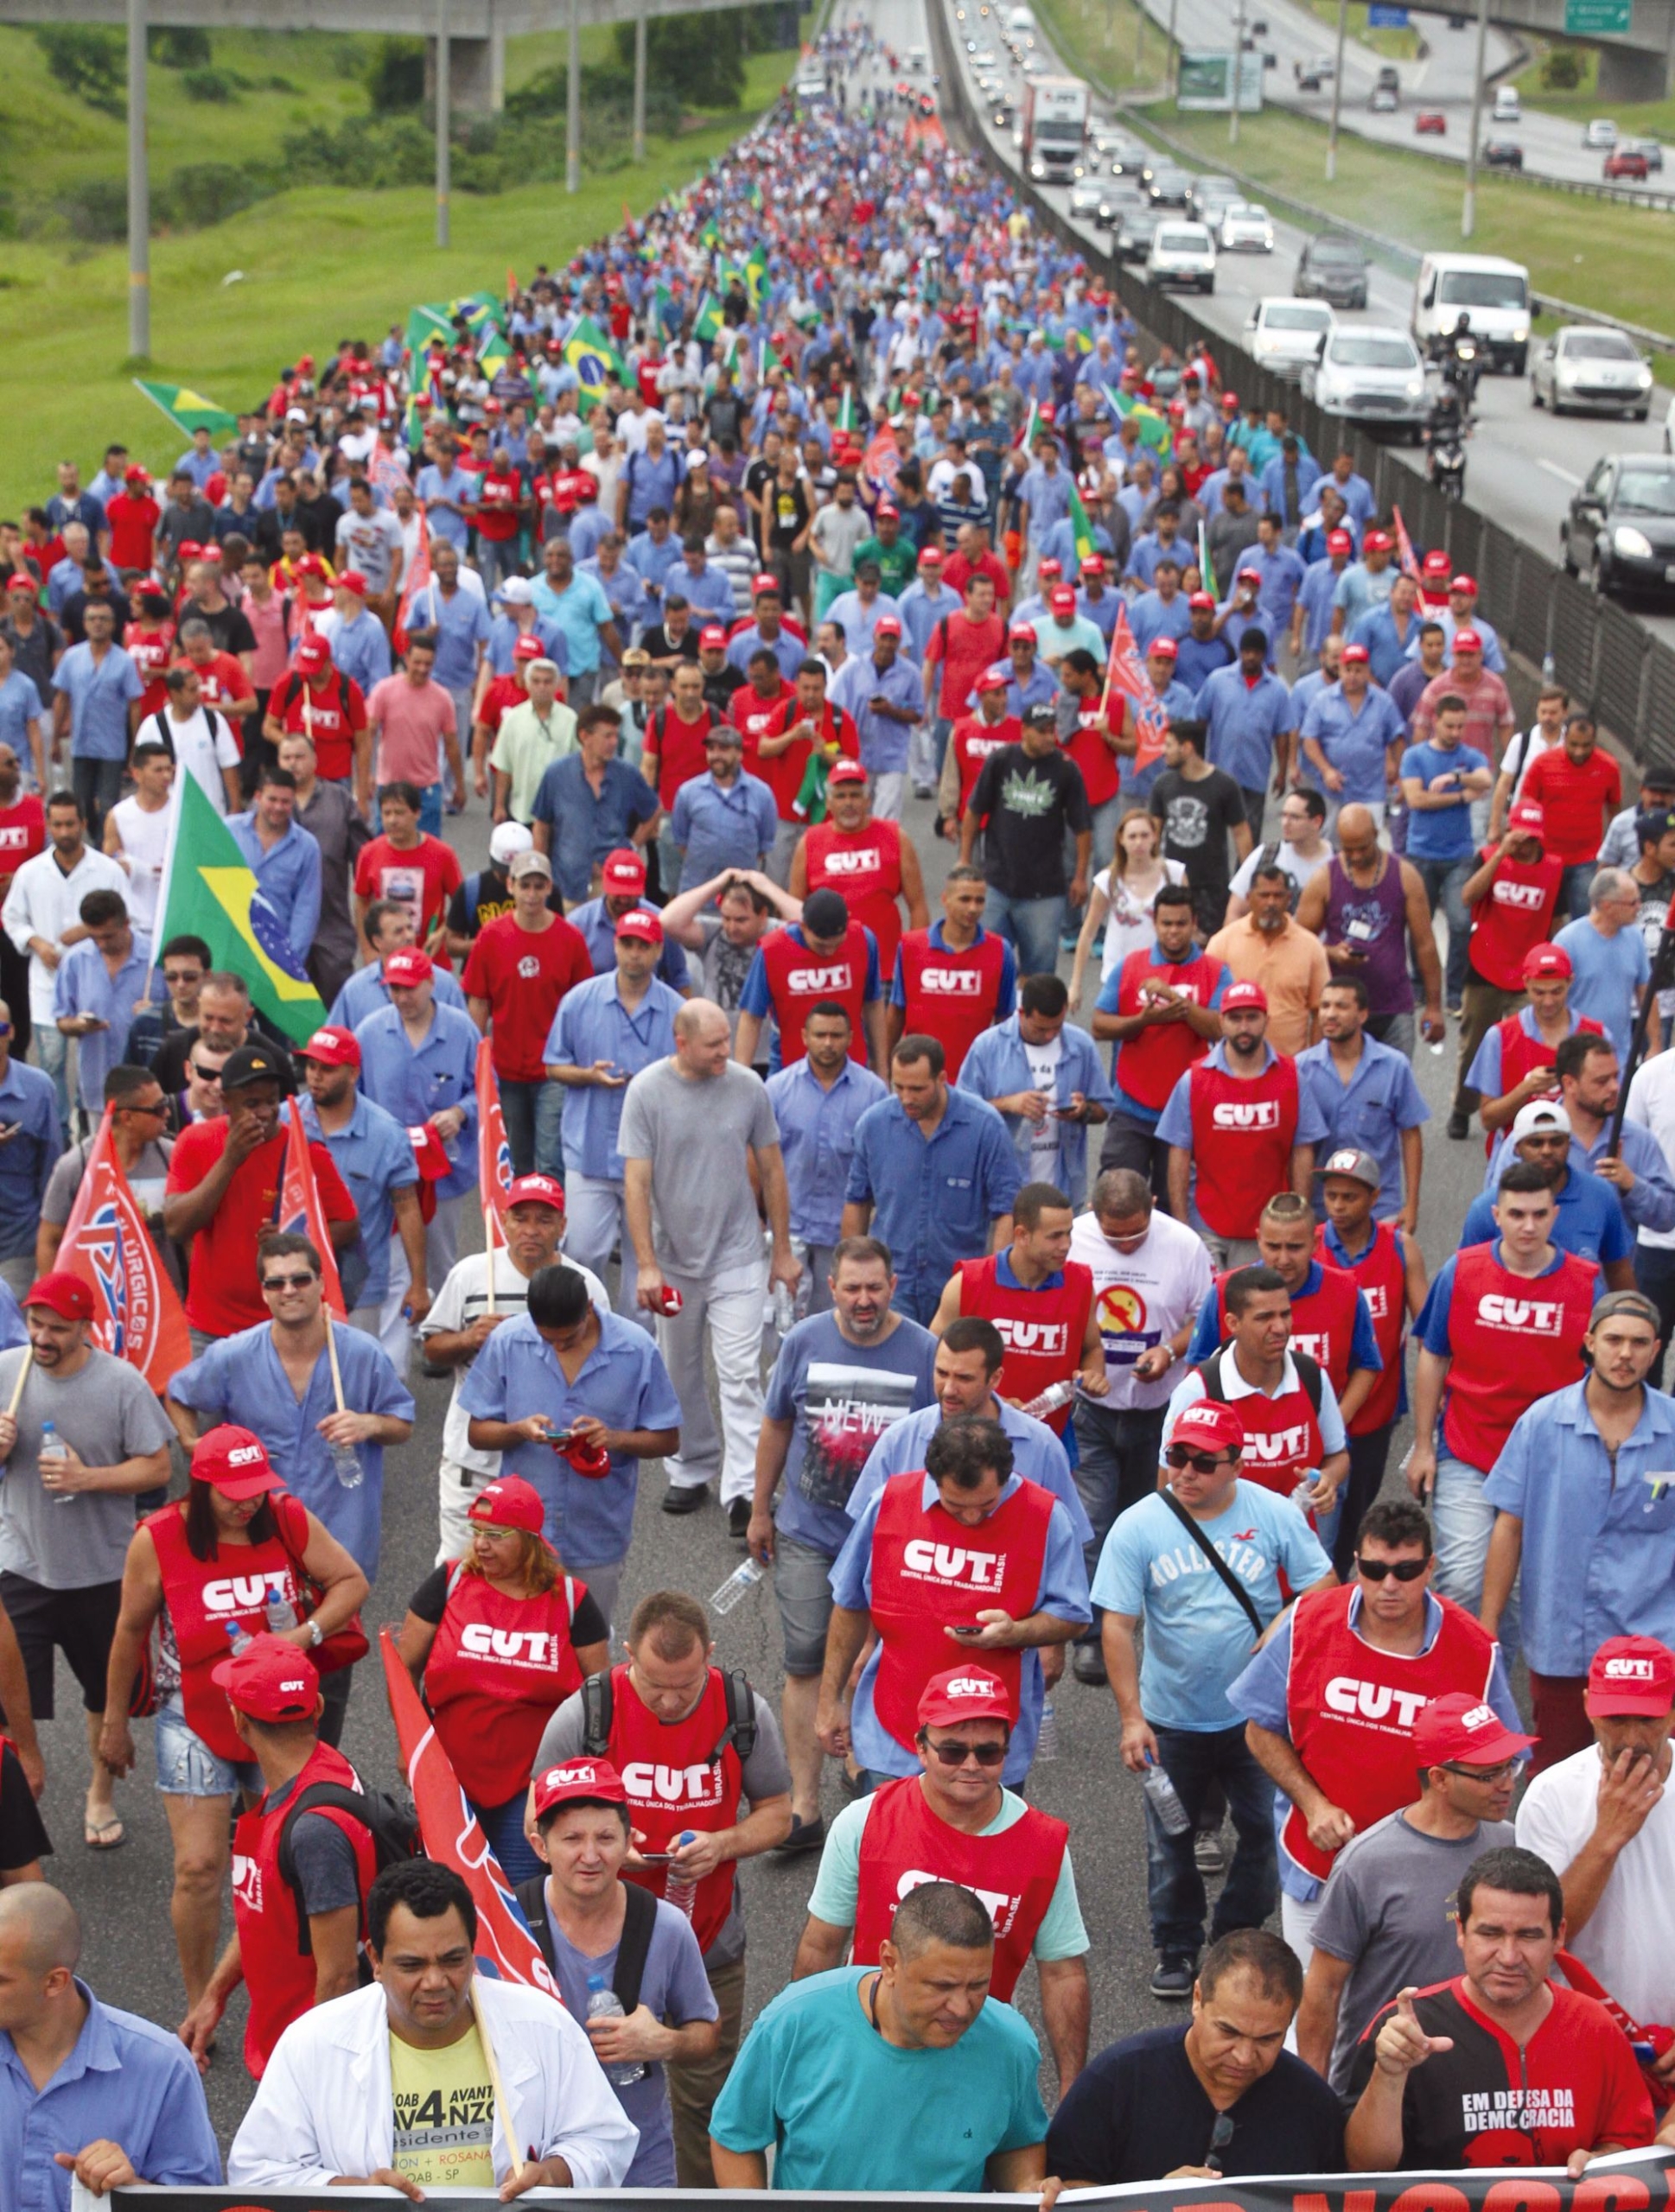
<point x="1589" y="1224"/>
<point x="1441" y="833"/>
<point x="1609" y="973"/>
<point x="840" y="1397"/>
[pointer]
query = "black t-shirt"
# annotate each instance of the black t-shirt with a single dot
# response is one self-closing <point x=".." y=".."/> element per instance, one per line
<point x="1138" y="2111"/>
<point x="588" y="1624"/>
<point x="661" y="646"/>
<point x="1023" y="807"/>
<point x="724" y="413"/>
<point x="718" y="689"/>
<point x="230" y="628"/>
<point x="758" y="476"/>
<point x="1197" y="818"/>
<point x="787" y="509"/>
<point x="170" y="1065"/>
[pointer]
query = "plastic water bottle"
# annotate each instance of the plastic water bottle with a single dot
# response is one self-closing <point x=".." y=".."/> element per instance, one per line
<point x="679" y="1890"/>
<point x="1172" y="1814"/>
<point x="604" y="2003"/>
<point x="1300" y="1494"/>
<point x="346" y="1465"/>
<point x="51" y="1449"/>
<point x="238" y="1637"/>
<point x="280" y="1612"/>
<point x="1042" y="1406"/>
<point x="1046" y="1741"/>
<point x="784" y="1309"/>
<point x="745" y="1576"/>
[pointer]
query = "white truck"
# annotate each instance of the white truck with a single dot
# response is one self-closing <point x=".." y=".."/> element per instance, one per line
<point x="1054" y="129"/>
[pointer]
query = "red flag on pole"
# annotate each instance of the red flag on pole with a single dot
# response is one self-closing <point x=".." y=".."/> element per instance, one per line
<point x="416" y="578"/>
<point x="136" y="1314"/>
<point x="1409" y="559"/>
<point x="493" y="1153"/>
<point x="1126" y="672"/>
<point x="450" y="1834"/>
<point x="301" y="1213"/>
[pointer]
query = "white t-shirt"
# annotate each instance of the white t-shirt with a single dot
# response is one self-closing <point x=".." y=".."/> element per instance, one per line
<point x="1652" y="1100"/>
<point x="1298" y="871"/>
<point x="203" y="746"/>
<point x="1521" y="755"/>
<point x="1130" y="926"/>
<point x="145" y="841"/>
<point x="1628" y="1942"/>
<point x="1140" y="1297"/>
<point x="1044" y="1076"/>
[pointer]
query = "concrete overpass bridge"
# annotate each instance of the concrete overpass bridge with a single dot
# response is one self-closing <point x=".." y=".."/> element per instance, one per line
<point x="1635" y="39"/>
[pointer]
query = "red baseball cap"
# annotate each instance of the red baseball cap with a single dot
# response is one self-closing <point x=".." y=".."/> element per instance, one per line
<point x="508" y="1501"/>
<point x="1632" y="1675"/>
<point x="529" y="648"/>
<point x="992" y="679"/>
<point x="1253" y="575"/>
<point x="333" y="1048"/>
<point x="537" y="1191"/>
<point x="309" y="565"/>
<point x="1049" y="567"/>
<point x="1547" y="960"/>
<point x="1163" y="649"/>
<point x="22" y="581"/>
<point x="845" y="771"/>
<point x="712" y="638"/>
<point x="763" y="584"/>
<point x="887" y="511"/>
<point x="624" y="870"/>
<point x="642" y="924"/>
<point x="1062" y="600"/>
<point x="1377" y="541"/>
<point x="1462" y="1728"/>
<point x="234" y="1461"/>
<point x="312" y="655"/>
<point x="1527" y="814"/>
<point x="1339" y="541"/>
<point x="931" y="557"/>
<point x="269" y="1680"/>
<point x="964" y="1694"/>
<point x="1240" y="995"/>
<point x="136" y="475"/>
<point x="1202" y="599"/>
<point x="1468" y="641"/>
<point x="408" y="967"/>
<point x="1209" y="1426"/>
<point x="578" y="1781"/>
<point x="352" y="580"/>
<point x="63" y="1293"/>
<point x="1021" y="630"/>
<point x="1464" y="583"/>
<point x="886" y="626"/>
<point x="1230" y="403"/>
<point x="1357" y="653"/>
<point x="1093" y="566"/>
<point x="1437" y="563"/>
<point x="190" y="549"/>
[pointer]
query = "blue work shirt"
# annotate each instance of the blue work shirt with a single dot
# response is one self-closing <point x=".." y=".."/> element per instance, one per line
<point x="1102" y="612"/>
<point x="1045" y="491"/>
<point x="433" y="484"/>
<point x="367" y="990"/>
<point x="504" y="633"/>
<point x="593" y="1024"/>
<point x="360" y="649"/>
<point x="622" y="1384"/>
<point x="933" y="1204"/>
<point x="1206" y="1338"/>
<point x="1315" y="593"/>
<point x="921" y="608"/>
<point x="1281" y="574"/>
<point x="125" y="2081"/>
<point x="723" y="826"/>
<point x="415" y="1084"/>
<point x="1599" y="1541"/>
<point x="1038" y="1456"/>
<point x="1246" y="721"/>
<point x="1273" y="487"/>
<point x="997" y="1065"/>
<point x="287" y="874"/>
<point x="1259" y="1695"/>
<point x="239" y="1379"/>
<point x="1174" y="1123"/>
<point x="1589" y="1222"/>
<point x="709" y="592"/>
<point x="1360" y="590"/>
<point x="98" y="693"/>
<point x="1197" y="659"/>
<point x="30" y="1104"/>
<point x="586" y="827"/>
<point x="817" y="1136"/>
<point x="599" y="934"/>
<point x="374" y="1153"/>
<point x="1387" y="647"/>
<point x="789" y="652"/>
<point x="1041" y="689"/>
<point x="883" y="743"/>
<point x="1610" y="974"/>
<point x="1355" y="740"/>
<point x="20" y="705"/>
<point x="651" y="479"/>
<point x="858" y="620"/>
<point x="1148" y="550"/>
<point x="839" y="1397"/>
<point x="578" y="610"/>
<point x="1369" y="1112"/>
<point x="1062" y="1590"/>
<point x="1443" y="833"/>
<point x="83" y="984"/>
<point x="460" y="623"/>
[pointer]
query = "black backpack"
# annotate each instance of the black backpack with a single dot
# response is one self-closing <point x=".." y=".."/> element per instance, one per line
<point x="639" y="1920"/>
<point x="1309" y="1374"/>
<point x="392" y="1827"/>
<point x="740" y="1732"/>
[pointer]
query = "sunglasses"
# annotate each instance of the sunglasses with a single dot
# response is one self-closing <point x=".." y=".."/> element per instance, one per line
<point x="1220" y="2136"/>
<point x="288" y="1282"/>
<point x="1201" y="1463"/>
<point x="159" y="1112"/>
<point x="957" y="1754"/>
<point x="206" y="1075"/>
<point x="1485" y="1773"/>
<point x="1404" y="1570"/>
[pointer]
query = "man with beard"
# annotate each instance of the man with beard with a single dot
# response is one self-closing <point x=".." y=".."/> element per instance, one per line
<point x="1267" y="947"/>
<point x="841" y="1379"/>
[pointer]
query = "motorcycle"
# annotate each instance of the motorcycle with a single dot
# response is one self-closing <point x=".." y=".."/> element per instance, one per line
<point x="1444" y="438"/>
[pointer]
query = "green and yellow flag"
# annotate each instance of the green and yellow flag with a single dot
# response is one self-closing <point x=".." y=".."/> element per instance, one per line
<point x="1081" y="528"/>
<point x="189" y="410"/>
<point x="593" y="357"/>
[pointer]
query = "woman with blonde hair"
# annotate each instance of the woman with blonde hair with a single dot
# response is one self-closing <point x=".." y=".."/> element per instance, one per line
<point x="1123" y="897"/>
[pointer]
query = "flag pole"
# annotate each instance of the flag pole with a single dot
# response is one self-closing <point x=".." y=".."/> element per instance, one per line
<point x="23" y="1378"/>
<point x="165" y="881"/>
<point x="488" y="1248"/>
<point x="500" y="2097"/>
<point x="331" y="1348"/>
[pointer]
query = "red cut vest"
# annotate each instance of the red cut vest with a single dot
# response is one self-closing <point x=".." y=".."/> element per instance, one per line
<point x="1282" y="1435"/>
<point x="1350" y="1710"/>
<point x="930" y="1572"/>
<point x="674" y="1782"/>
<point x="1042" y="1330"/>
<point x="904" y="1843"/>
<point x="865" y="867"/>
<point x="1323" y="1323"/>
<point x="974" y="739"/>
<point x="1381" y="1276"/>
<point x="1517" y="912"/>
<point x="1513" y="1339"/>
<point x="205" y="1596"/>
<point x="950" y="996"/>
<point x="279" y="1973"/>
<point x="1151" y="1063"/>
<point x="1088" y="749"/>
<point x="1242" y="1134"/>
<point x="1522" y="1054"/>
<point x="798" y="979"/>
<point x="498" y="1667"/>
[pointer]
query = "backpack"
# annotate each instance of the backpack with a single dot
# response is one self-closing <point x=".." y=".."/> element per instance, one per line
<point x="393" y="1829"/>
<point x="639" y="1922"/>
<point x="1267" y="856"/>
<point x="1309" y="1374"/>
<point x="740" y="1732"/>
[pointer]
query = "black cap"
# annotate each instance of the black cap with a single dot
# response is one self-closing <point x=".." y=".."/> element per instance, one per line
<point x="256" y="1063"/>
<point x="826" y="913"/>
<point x="1043" y="715"/>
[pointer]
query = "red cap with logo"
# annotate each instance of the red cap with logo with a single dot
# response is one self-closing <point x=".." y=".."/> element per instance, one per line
<point x="992" y="679"/>
<point x="333" y="1048"/>
<point x="1209" y="1426"/>
<point x="1240" y="995"/>
<point x="62" y="1293"/>
<point x="537" y="1191"/>
<point x="1020" y="632"/>
<point x="1063" y="599"/>
<point x="623" y="871"/>
<point x="1378" y="541"/>
<point x="930" y="557"/>
<point x="408" y="967"/>
<point x="508" y="1502"/>
<point x="1547" y="960"/>
<point x="233" y="1461"/>
<point x="641" y="924"/>
<point x="1339" y="541"/>
<point x="1358" y="653"/>
<point x="763" y="583"/>
<point x="1436" y="564"/>
<point x="312" y="655"/>
<point x="1092" y="565"/>
<point x="1528" y="813"/>
<point x="1198" y="600"/>
<point x="1465" y="585"/>
<point x="1466" y="641"/>
<point x="1162" y="649"/>
<point x="269" y="1680"/>
<point x="529" y="648"/>
<point x="712" y="638"/>
<point x="1462" y="1729"/>
<point x="886" y="626"/>
<point x="1049" y="570"/>
<point x="352" y="580"/>
<point x="845" y="771"/>
<point x="964" y="1694"/>
<point x="1632" y="1675"/>
<point x="579" y="1779"/>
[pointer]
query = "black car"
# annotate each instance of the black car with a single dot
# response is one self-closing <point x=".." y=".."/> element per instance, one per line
<point x="1333" y="267"/>
<point x="1136" y="231"/>
<point x="1170" y="188"/>
<point x="1502" y="154"/>
<point x="1620" y="533"/>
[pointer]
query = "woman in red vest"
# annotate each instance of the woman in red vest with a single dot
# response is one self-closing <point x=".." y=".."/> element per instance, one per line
<point x="238" y="1556"/>
<point x="496" y="1642"/>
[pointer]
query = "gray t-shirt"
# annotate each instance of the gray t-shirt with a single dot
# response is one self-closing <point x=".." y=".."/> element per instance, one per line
<point x="146" y="1179"/>
<point x="839" y="533"/>
<point x="766" y="1774"/>
<point x="1389" y="1909"/>
<point x="107" y="1414"/>
<point x="695" y="1135"/>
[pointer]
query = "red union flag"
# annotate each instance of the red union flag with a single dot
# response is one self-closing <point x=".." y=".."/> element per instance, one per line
<point x="493" y="1153"/>
<point x="137" y="1315"/>
<point x="450" y="1834"/>
<point x="1126" y="672"/>
<point x="1409" y="558"/>
<point x="301" y="1213"/>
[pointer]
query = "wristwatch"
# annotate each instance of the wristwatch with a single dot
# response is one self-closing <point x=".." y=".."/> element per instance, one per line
<point x="316" y="1634"/>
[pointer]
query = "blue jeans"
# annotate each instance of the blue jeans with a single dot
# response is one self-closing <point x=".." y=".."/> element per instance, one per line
<point x="504" y="1826"/>
<point x="430" y="810"/>
<point x="1574" y="886"/>
<point x="1654" y="1272"/>
<point x="1117" y="1450"/>
<point x="533" y="1113"/>
<point x="1445" y="885"/>
<point x="1194" y="1763"/>
<point x="1461" y="1519"/>
<point x="52" y="1049"/>
<point x="97" y="786"/>
<point x="497" y="559"/>
<point x="1031" y="926"/>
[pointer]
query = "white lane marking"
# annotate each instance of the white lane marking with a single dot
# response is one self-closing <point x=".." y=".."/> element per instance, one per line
<point x="1564" y="475"/>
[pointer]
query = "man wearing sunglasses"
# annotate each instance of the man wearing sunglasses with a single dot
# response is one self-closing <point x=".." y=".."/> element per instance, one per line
<point x="1590" y="1221"/>
<point x="1331" y="1701"/>
<point x="1387" y="1921"/>
<point x="953" y="1822"/>
<point x="1202" y="1620"/>
<point x="139" y="1122"/>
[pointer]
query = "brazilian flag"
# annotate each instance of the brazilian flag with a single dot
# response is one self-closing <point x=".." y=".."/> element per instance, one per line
<point x="594" y="358"/>
<point x="189" y="410"/>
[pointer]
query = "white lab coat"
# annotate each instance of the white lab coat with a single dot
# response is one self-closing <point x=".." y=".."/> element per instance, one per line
<point x="324" y="2107"/>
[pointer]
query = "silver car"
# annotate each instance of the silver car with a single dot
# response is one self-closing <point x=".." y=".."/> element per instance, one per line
<point x="1371" y="373"/>
<point x="1592" y="368"/>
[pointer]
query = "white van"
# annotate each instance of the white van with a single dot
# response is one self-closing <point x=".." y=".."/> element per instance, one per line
<point x="1494" y="293"/>
<point x="1507" y="108"/>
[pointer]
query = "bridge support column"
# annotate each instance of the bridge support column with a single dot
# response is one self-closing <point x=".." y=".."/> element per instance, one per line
<point x="476" y="71"/>
<point x="640" y="85"/>
<point x="1630" y="73"/>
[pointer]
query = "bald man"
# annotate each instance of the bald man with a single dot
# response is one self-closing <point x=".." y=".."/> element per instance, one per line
<point x="131" y="2110"/>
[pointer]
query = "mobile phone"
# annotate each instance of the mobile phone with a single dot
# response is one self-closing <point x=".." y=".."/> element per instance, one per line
<point x="559" y="1438"/>
<point x="655" y="1857"/>
<point x="967" y="1631"/>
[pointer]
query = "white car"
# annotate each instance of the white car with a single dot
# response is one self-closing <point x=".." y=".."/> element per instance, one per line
<point x="1383" y="101"/>
<point x="1182" y="254"/>
<point x="1086" y="199"/>
<point x="1288" y="333"/>
<point x="1601" y="135"/>
<point x="1591" y="366"/>
<point x="1371" y="373"/>
<point x="1246" y="228"/>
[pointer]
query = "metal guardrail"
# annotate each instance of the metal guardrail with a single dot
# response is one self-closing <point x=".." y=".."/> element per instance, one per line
<point x="1598" y="652"/>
